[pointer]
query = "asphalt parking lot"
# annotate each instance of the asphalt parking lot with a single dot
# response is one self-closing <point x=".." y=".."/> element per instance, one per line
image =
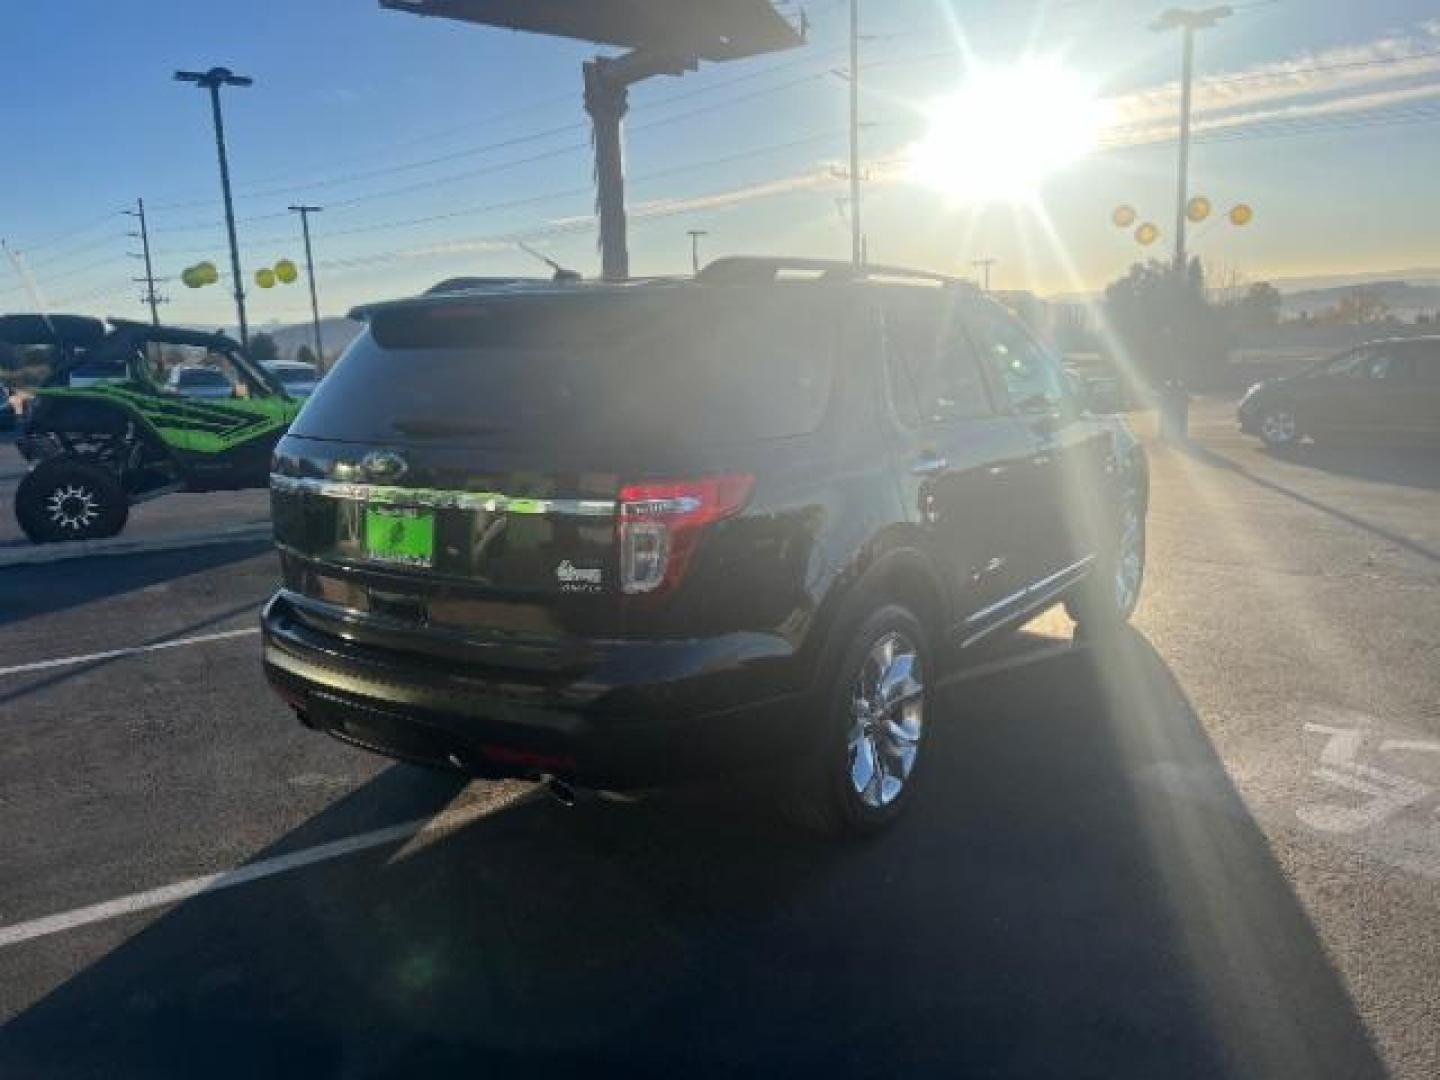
<point x="1209" y="848"/>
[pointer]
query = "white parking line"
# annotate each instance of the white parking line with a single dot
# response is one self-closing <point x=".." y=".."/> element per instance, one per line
<point x="191" y="887"/>
<point x="111" y="654"/>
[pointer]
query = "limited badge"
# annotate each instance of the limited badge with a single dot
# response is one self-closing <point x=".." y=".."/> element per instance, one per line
<point x="574" y="578"/>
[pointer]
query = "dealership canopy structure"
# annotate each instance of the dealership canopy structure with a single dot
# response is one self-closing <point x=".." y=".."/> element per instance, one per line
<point x="663" y="37"/>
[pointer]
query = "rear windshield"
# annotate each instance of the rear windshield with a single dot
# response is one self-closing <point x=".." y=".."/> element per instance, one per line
<point x="675" y="365"/>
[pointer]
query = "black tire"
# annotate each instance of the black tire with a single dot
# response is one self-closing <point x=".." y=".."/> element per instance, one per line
<point x="1103" y="600"/>
<point x="66" y="499"/>
<point x="823" y="793"/>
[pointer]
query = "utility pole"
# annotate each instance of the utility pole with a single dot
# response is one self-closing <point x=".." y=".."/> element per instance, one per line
<point x="149" y="279"/>
<point x="695" y="235"/>
<point x="305" y="212"/>
<point x="857" y="247"/>
<point x="213" y="80"/>
<point x="1174" y="403"/>
<point x="984" y="266"/>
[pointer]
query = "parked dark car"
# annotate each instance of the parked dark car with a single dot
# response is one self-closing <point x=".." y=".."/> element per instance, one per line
<point x="622" y="536"/>
<point x="1383" y="391"/>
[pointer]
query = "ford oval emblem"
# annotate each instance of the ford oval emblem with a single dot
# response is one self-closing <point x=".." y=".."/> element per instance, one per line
<point x="384" y="465"/>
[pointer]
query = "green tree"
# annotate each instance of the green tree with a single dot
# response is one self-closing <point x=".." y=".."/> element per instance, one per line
<point x="1165" y="323"/>
<point x="1259" y="308"/>
<point x="263" y="349"/>
<point x="1359" y="308"/>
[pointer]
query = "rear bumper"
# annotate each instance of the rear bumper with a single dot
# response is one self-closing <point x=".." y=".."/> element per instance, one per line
<point x="631" y="715"/>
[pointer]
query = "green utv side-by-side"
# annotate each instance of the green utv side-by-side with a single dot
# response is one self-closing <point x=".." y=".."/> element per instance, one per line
<point x="106" y="431"/>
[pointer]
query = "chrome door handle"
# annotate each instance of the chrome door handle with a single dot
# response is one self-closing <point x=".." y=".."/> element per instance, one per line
<point x="929" y="466"/>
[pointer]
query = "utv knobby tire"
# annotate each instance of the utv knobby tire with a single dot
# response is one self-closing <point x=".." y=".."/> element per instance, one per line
<point x="65" y="499"/>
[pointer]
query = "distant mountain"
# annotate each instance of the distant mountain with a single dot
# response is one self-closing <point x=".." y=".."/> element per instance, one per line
<point x="1414" y="276"/>
<point x="1405" y="292"/>
<point x="335" y="334"/>
<point x="1403" y="298"/>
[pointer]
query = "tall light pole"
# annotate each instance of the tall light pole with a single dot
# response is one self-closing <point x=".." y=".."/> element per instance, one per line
<point x="305" y="212"/>
<point x="1174" y="404"/>
<point x="213" y="80"/>
<point x="857" y="245"/>
<point x="695" y="235"/>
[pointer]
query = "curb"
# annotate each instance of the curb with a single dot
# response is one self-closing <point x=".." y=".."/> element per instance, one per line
<point x="44" y="554"/>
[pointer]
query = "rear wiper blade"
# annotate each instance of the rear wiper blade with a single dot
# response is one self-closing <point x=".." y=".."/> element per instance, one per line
<point x="423" y="427"/>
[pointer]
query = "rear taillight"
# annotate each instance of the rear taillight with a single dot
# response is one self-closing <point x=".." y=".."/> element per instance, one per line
<point x="661" y="525"/>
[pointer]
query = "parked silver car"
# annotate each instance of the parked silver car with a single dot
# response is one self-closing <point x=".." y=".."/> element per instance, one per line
<point x="195" y="381"/>
<point x="299" y="379"/>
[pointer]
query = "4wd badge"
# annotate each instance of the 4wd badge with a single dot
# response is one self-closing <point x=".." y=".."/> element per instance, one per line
<point x="574" y="578"/>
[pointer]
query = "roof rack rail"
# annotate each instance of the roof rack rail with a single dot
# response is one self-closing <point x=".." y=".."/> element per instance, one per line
<point x="739" y="269"/>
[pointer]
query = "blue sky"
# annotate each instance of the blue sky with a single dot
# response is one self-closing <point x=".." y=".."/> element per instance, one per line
<point x="1324" y="115"/>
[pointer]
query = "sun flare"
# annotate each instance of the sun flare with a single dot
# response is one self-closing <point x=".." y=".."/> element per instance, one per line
<point x="1006" y="130"/>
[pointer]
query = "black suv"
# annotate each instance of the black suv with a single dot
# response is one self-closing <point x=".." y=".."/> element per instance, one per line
<point x="620" y="536"/>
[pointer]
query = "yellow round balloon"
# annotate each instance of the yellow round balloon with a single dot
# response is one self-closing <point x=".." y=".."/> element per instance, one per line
<point x="1198" y="208"/>
<point x="1241" y="214"/>
<point x="285" y="272"/>
<point x="1123" y="217"/>
<point x="1147" y="234"/>
<point x="206" y="273"/>
<point x="265" y="277"/>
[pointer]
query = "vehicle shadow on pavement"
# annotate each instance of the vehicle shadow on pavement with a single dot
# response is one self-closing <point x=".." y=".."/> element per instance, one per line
<point x="1406" y="466"/>
<point x="27" y="592"/>
<point x="1220" y="461"/>
<point x="1079" y="891"/>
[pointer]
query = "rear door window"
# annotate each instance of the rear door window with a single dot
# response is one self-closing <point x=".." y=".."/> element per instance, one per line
<point x="934" y="373"/>
<point x="680" y="365"/>
<point x="1033" y="380"/>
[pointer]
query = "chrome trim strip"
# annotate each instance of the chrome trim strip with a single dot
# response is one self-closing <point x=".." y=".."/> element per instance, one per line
<point x="1070" y="571"/>
<point x="1036" y="595"/>
<point x="985" y="612"/>
<point x="490" y="502"/>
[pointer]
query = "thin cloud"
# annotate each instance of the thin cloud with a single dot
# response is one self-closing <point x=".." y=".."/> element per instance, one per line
<point x="1345" y="74"/>
<point x="1336" y="106"/>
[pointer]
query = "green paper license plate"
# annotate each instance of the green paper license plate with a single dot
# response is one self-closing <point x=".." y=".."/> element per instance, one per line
<point x="400" y="535"/>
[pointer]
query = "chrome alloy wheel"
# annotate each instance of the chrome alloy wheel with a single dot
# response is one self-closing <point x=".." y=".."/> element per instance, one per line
<point x="73" y="507"/>
<point x="1130" y="558"/>
<point x="887" y="713"/>
<point x="1278" y="427"/>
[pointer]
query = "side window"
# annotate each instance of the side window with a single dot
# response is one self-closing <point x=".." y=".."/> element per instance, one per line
<point x="933" y="368"/>
<point x="1351" y="365"/>
<point x="1033" y="380"/>
<point x="1384" y="365"/>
